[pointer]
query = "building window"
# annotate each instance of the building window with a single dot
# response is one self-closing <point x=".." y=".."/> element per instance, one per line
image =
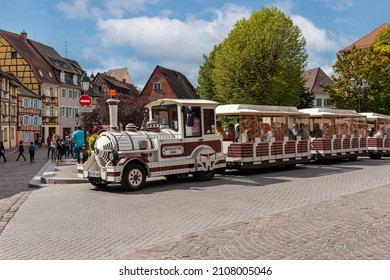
<point x="318" y="102"/>
<point x="327" y="102"/>
<point x="156" y="86"/>
<point x="13" y="55"/>
<point x="75" y="79"/>
<point x="70" y="94"/>
<point x="26" y="120"/>
<point x="63" y="93"/>
<point x="63" y="112"/>
<point x="75" y="111"/>
<point x="62" y="77"/>
<point x="70" y="110"/>
<point x="76" y="94"/>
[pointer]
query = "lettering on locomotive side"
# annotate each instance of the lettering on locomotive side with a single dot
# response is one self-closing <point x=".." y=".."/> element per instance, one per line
<point x="172" y="150"/>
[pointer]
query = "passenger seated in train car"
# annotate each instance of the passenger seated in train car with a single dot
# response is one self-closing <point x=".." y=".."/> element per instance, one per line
<point x="317" y="131"/>
<point x="277" y="131"/>
<point x="343" y="130"/>
<point x="360" y="129"/>
<point x="220" y="130"/>
<point x="303" y="132"/>
<point x="371" y="133"/>
<point x="267" y="133"/>
<point x="295" y="129"/>
<point x="379" y="133"/>
<point x="231" y="133"/>
<point x="327" y="131"/>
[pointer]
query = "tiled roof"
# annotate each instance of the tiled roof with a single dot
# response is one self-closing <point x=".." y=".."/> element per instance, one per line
<point x="114" y="83"/>
<point x="179" y="84"/>
<point x="26" y="49"/>
<point x="367" y="40"/>
<point x="316" y="79"/>
<point x="120" y="74"/>
<point x="53" y="58"/>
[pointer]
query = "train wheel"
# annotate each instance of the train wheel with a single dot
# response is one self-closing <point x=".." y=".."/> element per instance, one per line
<point x="204" y="175"/>
<point x="134" y="177"/>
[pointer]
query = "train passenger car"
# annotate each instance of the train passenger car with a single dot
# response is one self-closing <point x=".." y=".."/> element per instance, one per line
<point x="378" y="141"/>
<point x="179" y="139"/>
<point x="337" y="134"/>
<point x="257" y="136"/>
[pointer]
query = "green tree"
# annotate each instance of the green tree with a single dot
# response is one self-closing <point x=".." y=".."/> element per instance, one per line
<point x="206" y="87"/>
<point x="372" y="64"/>
<point x="260" y="62"/>
<point x="306" y="99"/>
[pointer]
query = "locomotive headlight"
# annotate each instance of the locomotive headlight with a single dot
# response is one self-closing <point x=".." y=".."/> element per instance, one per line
<point x="113" y="156"/>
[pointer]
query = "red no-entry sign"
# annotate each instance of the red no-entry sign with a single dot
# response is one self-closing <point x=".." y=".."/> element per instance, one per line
<point x="85" y="100"/>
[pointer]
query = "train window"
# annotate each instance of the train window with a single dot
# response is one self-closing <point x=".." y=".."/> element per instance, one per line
<point x="209" y="121"/>
<point x="166" y="116"/>
<point x="192" y="120"/>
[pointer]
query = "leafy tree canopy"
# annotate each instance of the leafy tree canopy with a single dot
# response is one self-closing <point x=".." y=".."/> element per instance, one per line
<point x="372" y="64"/>
<point x="260" y="62"/>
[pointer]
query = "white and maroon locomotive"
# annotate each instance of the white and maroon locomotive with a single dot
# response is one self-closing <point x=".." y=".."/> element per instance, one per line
<point x="179" y="139"/>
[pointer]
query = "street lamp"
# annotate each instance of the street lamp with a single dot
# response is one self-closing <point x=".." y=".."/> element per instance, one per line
<point x="84" y="83"/>
<point x="358" y="88"/>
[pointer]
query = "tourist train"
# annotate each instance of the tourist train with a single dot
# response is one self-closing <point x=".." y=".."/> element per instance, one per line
<point x="182" y="137"/>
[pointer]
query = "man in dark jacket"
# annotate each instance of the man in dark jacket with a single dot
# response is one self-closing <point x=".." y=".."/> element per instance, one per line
<point x="21" y="150"/>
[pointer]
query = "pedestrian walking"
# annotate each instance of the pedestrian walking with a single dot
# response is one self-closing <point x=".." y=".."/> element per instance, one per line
<point x="21" y="150"/>
<point x="31" y="151"/>
<point x="53" y="147"/>
<point x="67" y="146"/>
<point x="60" y="147"/>
<point x="2" y="151"/>
<point x="78" y="137"/>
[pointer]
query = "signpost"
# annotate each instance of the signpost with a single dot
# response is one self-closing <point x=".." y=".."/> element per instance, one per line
<point x="85" y="100"/>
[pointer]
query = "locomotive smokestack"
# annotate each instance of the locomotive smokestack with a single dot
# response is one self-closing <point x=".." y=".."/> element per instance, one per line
<point x="113" y="108"/>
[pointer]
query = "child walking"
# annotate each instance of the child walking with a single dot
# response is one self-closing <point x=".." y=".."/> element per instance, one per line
<point x="31" y="151"/>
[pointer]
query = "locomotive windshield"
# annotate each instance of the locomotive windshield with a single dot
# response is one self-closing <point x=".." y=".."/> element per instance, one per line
<point x="166" y="116"/>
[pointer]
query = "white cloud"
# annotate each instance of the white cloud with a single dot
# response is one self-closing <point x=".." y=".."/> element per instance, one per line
<point x="82" y="9"/>
<point x="171" y="42"/>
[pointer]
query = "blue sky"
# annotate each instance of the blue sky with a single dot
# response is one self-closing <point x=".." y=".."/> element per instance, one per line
<point x="140" y="34"/>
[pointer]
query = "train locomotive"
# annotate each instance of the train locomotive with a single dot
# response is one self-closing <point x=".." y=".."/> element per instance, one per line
<point x="177" y="139"/>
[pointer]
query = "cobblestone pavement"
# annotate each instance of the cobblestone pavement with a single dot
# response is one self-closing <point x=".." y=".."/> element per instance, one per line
<point x="358" y="229"/>
<point x="336" y="211"/>
<point x="14" y="179"/>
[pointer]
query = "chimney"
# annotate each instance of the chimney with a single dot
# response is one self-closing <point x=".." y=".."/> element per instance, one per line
<point x="113" y="110"/>
<point x="23" y="34"/>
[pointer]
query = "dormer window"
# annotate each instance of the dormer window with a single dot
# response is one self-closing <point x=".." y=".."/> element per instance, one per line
<point x="62" y="77"/>
<point x="40" y="72"/>
<point x="50" y="75"/>
<point x="75" y="79"/>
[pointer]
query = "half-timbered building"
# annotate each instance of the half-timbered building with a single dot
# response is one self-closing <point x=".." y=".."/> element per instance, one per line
<point x="8" y="109"/>
<point x="19" y="57"/>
